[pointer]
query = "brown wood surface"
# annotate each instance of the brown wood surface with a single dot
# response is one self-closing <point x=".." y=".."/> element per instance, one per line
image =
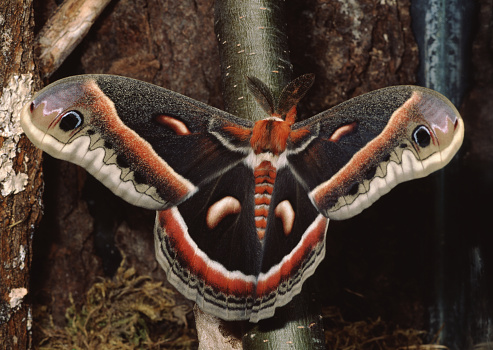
<point x="21" y="211"/>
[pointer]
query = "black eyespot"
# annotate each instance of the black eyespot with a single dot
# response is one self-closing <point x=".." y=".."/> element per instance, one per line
<point x="71" y="120"/>
<point x="90" y="132"/>
<point x="422" y="136"/>
<point x="108" y="145"/>
<point x="122" y="162"/>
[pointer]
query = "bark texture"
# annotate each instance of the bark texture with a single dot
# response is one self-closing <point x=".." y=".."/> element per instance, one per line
<point x="352" y="46"/>
<point x="20" y="175"/>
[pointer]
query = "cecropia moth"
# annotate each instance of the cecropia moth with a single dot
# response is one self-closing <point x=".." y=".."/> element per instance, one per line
<point x="242" y="207"/>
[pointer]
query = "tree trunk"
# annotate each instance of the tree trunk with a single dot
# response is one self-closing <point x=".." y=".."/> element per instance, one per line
<point x="20" y="181"/>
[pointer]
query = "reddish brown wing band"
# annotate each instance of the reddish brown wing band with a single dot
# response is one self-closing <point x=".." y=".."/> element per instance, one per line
<point x="242" y="208"/>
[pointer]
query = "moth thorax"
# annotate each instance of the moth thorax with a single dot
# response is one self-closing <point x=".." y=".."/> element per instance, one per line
<point x="265" y="177"/>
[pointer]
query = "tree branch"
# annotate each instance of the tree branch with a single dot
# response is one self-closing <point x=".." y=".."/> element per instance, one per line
<point x="64" y="31"/>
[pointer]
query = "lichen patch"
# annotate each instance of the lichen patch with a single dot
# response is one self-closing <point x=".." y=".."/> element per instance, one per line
<point x="14" y="96"/>
<point x="16" y="295"/>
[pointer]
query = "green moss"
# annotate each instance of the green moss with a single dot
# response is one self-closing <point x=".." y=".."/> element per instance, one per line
<point x="125" y="312"/>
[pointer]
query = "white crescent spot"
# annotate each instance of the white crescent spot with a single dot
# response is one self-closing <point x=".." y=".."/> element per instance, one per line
<point x="341" y="131"/>
<point x="222" y="208"/>
<point x="285" y="212"/>
<point x="178" y="127"/>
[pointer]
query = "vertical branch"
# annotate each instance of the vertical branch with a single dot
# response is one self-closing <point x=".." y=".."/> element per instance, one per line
<point x="252" y="41"/>
<point x="20" y="181"/>
<point x="443" y="33"/>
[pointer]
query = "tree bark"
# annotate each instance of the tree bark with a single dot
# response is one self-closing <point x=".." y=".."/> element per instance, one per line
<point x="20" y="167"/>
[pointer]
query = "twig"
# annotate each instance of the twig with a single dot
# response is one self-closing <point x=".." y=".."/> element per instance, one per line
<point x="64" y="31"/>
